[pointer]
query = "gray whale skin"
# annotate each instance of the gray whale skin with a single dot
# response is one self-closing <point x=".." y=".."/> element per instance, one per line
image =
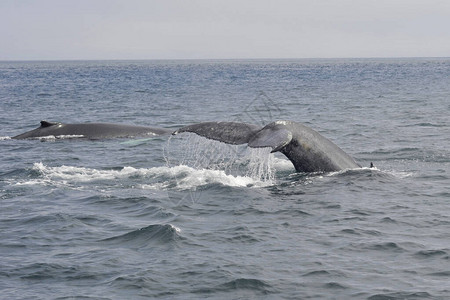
<point x="91" y="130"/>
<point x="304" y="147"/>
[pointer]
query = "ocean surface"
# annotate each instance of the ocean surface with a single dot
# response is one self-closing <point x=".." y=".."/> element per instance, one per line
<point x="182" y="217"/>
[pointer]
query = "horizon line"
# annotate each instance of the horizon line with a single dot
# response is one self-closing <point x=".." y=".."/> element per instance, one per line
<point x="220" y="59"/>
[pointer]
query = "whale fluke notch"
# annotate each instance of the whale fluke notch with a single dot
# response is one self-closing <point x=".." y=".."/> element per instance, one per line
<point x="304" y="147"/>
<point x="275" y="138"/>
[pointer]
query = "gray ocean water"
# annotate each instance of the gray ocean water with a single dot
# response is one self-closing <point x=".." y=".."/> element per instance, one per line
<point x="188" y="218"/>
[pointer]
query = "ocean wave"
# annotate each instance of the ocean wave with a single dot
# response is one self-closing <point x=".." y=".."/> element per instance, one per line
<point x="157" y="234"/>
<point x="361" y="232"/>
<point x="401" y="296"/>
<point x="182" y="177"/>
<point x="83" y="174"/>
<point x="410" y="154"/>
<point x="384" y="247"/>
<point x="372" y="173"/>
<point x="247" y="283"/>
<point x="50" y="271"/>
<point x="289" y="183"/>
<point x="432" y="254"/>
<point x="424" y="124"/>
<point x="324" y="273"/>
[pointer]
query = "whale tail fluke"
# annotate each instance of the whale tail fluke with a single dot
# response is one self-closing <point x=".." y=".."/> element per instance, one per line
<point x="228" y="132"/>
<point x="241" y="133"/>
<point x="305" y="148"/>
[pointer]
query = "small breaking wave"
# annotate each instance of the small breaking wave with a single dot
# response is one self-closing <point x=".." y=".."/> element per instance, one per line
<point x="58" y="137"/>
<point x="371" y="172"/>
<point x="81" y="174"/>
<point x="178" y="177"/>
<point x="150" y="235"/>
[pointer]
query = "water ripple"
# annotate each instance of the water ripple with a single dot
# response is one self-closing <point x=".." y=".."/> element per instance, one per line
<point x="152" y="235"/>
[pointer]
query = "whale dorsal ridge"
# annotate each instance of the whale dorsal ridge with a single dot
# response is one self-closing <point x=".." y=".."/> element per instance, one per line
<point x="273" y="137"/>
<point x="48" y="124"/>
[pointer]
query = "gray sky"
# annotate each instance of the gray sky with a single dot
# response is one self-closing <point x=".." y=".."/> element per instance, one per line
<point x="166" y="29"/>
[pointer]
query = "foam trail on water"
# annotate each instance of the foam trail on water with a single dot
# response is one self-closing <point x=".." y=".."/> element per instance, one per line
<point x="178" y="177"/>
<point x="81" y="174"/>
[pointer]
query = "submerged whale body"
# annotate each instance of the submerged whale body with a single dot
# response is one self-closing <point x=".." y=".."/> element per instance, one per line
<point x="90" y="130"/>
<point x="304" y="147"/>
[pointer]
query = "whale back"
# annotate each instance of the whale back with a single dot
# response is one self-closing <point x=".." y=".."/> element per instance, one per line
<point x="90" y="130"/>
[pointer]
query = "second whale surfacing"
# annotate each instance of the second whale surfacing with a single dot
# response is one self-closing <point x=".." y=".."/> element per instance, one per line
<point x="91" y="131"/>
<point x="304" y="147"/>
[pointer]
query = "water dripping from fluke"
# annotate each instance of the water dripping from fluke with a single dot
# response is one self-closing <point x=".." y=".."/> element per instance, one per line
<point x="218" y="161"/>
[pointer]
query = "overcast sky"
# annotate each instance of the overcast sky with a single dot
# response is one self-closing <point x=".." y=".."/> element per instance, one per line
<point x="168" y="29"/>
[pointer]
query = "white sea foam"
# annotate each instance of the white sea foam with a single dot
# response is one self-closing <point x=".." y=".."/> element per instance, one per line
<point x="177" y="177"/>
<point x="58" y="137"/>
<point x="81" y="174"/>
<point x="400" y="174"/>
<point x="245" y="165"/>
<point x="187" y="177"/>
<point x="177" y="229"/>
<point x="397" y="174"/>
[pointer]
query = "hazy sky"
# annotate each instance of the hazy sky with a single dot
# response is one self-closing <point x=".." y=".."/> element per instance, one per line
<point x="165" y="29"/>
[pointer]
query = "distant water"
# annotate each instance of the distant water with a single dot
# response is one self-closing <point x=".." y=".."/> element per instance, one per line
<point x="187" y="218"/>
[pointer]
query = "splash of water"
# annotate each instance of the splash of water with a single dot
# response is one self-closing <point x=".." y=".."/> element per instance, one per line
<point x="261" y="164"/>
<point x="236" y="160"/>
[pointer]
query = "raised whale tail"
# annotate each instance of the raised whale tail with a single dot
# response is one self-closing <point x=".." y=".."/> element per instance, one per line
<point x="305" y="148"/>
<point x="241" y="133"/>
<point x="227" y="132"/>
